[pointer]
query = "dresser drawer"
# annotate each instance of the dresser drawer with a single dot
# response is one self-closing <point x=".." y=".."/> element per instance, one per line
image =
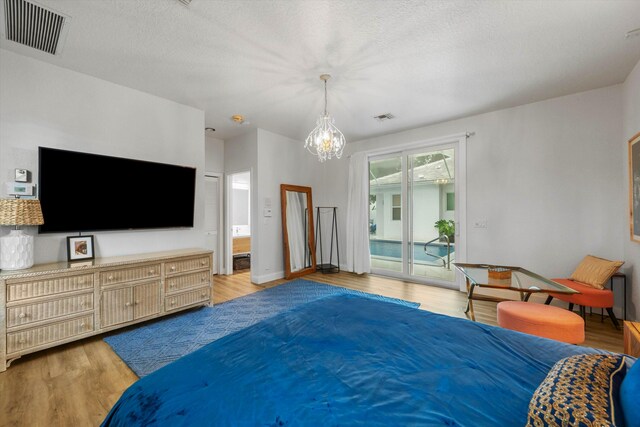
<point x="17" y="291"/>
<point x="185" y="281"/>
<point x="184" y="299"/>
<point x="28" y="313"/>
<point x="34" y="337"/>
<point x="111" y="277"/>
<point x="175" y="267"/>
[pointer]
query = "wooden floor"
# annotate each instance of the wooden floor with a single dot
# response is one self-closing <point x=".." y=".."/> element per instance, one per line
<point x="77" y="384"/>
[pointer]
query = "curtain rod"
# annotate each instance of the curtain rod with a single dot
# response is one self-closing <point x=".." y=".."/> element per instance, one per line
<point x="414" y="144"/>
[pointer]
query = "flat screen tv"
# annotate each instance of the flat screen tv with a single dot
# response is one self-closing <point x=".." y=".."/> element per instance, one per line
<point x="90" y="192"/>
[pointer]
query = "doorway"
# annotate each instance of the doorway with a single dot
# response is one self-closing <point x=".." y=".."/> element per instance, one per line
<point x="239" y="222"/>
<point x="414" y="213"/>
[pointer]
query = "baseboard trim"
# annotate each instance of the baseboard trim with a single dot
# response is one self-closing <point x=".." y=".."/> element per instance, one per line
<point x="264" y="278"/>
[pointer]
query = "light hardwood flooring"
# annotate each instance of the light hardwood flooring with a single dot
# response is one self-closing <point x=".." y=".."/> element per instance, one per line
<point x="76" y="384"/>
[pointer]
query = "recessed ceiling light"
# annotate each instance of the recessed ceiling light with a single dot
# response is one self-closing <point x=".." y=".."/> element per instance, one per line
<point x="239" y="119"/>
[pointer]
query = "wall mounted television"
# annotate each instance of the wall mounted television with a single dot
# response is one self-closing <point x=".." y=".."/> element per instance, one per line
<point x="90" y="192"/>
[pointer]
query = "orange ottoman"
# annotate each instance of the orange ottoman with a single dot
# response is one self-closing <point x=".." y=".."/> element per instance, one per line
<point x="541" y="320"/>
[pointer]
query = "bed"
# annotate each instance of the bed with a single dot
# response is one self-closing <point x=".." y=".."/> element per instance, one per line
<point x="349" y="360"/>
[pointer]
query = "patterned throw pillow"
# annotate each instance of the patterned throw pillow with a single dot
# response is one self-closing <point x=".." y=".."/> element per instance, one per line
<point x="594" y="271"/>
<point x="580" y="390"/>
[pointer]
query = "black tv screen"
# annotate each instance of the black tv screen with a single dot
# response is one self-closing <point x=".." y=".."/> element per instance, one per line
<point x="90" y="192"/>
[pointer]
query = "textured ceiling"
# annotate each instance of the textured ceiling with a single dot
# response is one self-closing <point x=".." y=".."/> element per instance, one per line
<point x="423" y="61"/>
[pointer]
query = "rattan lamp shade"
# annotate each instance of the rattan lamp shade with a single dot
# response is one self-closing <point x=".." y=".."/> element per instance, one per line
<point x="20" y="212"/>
<point x="16" y="248"/>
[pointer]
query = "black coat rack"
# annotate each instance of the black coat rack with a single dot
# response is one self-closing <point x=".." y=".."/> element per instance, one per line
<point x="322" y="266"/>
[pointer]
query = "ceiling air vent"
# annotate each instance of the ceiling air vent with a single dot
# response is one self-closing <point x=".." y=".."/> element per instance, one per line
<point x="383" y="117"/>
<point x="33" y="25"/>
<point x="185" y="2"/>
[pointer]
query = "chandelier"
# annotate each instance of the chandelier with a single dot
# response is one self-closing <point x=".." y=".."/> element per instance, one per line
<point x="326" y="140"/>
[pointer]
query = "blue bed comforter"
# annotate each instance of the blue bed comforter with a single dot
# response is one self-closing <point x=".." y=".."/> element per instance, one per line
<point x="348" y="360"/>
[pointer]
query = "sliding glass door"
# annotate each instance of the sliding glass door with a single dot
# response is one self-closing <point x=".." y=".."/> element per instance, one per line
<point x="431" y="213"/>
<point x="386" y="213"/>
<point x="412" y="211"/>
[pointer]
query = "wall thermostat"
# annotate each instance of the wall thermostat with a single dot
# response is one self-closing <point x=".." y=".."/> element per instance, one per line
<point x="19" y="189"/>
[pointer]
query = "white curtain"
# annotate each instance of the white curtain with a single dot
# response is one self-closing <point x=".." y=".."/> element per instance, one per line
<point x="296" y="203"/>
<point x="358" y="256"/>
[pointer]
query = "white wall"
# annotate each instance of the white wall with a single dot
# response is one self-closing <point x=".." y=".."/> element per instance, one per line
<point x="426" y="211"/>
<point x="545" y="176"/>
<point x="631" y="120"/>
<point x="280" y="161"/>
<point x="213" y="155"/>
<point x="241" y="155"/>
<point x="240" y="207"/>
<point x="273" y="160"/>
<point x="45" y="105"/>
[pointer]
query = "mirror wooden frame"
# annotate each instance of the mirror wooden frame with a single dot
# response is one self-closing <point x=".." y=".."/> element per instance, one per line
<point x="288" y="274"/>
<point x="634" y="187"/>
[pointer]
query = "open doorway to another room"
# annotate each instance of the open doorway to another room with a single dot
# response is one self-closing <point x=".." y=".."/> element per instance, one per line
<point x="240" y="222"/>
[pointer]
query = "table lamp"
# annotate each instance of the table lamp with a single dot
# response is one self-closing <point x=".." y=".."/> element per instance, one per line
<point x="16" y="248"/>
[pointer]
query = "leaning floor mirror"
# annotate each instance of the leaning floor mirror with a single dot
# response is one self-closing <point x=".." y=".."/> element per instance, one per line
<point x="297" y="230"/>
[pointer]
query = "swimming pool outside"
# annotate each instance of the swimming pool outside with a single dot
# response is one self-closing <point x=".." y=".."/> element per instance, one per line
<point x="393" y="249"/>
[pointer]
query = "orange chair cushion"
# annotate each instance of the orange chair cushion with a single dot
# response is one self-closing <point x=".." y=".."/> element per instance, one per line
<point x="588" y="296"/>
<point x="594" y="271"/>
<point x="541" y="320"/>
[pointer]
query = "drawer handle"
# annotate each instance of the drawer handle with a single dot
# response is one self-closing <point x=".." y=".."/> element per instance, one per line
<point x="173" y="302"/>
<point x="151" y="271"/>
<point x="203" y="294"/>
<point x="81" y="303"/>
<point x="203" y="262"/>
<point x="173" y="268"/>
<point x="22" y="315"/>
<point x="171" y="285"/>
<point x="110" y="278"/>
<point x="136" y="302"/>
<point x="203" y="278"/>
<point x="81" y="282"/>
<point x="82" y="325"/>
<point x="127" y="304"/>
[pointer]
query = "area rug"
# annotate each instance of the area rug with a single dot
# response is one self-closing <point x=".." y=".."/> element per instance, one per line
<point x="153" y="345"/>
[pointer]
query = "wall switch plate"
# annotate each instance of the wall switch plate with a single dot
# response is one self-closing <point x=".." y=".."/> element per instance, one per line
<point x="481" y="223"/>
<point x="267" y="212"/>
<point x="22" y="175"/>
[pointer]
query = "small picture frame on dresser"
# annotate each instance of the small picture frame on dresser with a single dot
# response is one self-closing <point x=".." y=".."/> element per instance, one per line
<point x="79" y="248"/>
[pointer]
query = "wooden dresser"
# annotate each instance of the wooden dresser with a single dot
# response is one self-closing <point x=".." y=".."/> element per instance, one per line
<point x="53" y="304"/>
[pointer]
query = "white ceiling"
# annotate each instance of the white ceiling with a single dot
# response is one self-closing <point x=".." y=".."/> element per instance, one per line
<point x="423" y="61"/>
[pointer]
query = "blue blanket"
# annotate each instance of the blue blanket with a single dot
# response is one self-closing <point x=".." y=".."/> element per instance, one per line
<point x="348" y="360"/>
<point x="153" y="345"/>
